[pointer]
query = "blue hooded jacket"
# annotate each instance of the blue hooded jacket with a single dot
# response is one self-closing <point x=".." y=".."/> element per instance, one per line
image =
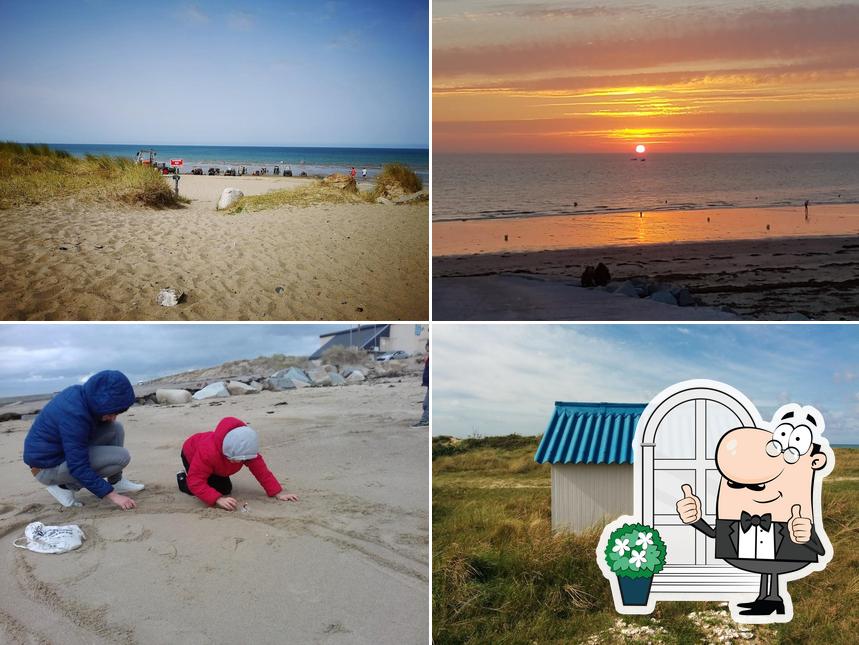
<point x="62" y="430"/>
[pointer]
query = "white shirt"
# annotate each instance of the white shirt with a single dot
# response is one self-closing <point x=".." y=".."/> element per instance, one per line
<point x="757" y="544"/>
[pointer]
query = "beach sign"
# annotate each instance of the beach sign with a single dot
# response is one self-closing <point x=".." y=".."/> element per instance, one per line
<point x="176" y="162"/>
<point x="727" y="505"/>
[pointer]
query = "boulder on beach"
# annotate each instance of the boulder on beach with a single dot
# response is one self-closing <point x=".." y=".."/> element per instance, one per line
<point x="341" y="181"/>
<point x="212" y="391"/>
<point x="355" y="377"/>
<point x="602" y="276"/>
<point x="301" y="384"/>
<point x="329" y="368"/>
<point x="172" y="397"/>
<point x="319" y="376"/>
<point x="664" y="296"/>
<point x="229" y="197"/>
<point x="588" y="277"/>
<point x="9" y="416"/>
<point x="237" y="387"/>
<point x="627" y="289"/>
<point x="336" y="379"/>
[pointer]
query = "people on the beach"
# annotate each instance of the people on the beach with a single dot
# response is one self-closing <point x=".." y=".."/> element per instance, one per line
<point x="424" y="420"/>
<point x="353" y="173"/>
<point x="806" y="209"/>
<point x="364" y="173"/>
<point x="75" y="442"/>
<point x="210" y="458"/>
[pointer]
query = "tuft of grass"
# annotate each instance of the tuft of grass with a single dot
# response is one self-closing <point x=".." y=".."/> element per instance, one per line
<point x="501" y="575"/>
<point x="316" y="193"/>
<point x="340" y="356"/>
<point x="35" y="173"/>
<point x="396" y="179"/>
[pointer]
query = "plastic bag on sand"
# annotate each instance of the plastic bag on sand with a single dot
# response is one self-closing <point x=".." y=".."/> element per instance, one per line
<point x="51" y="539"/>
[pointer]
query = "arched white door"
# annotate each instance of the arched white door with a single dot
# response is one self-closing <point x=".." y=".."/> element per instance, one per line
<point x="678" y="446"/>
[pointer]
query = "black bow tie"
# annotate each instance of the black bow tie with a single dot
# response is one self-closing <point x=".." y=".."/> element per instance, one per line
<point x="748" y="521"/>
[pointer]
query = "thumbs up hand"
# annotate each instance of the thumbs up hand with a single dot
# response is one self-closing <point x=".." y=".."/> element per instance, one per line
<point x="689" y="508"/>
<point x="798" y="526"/>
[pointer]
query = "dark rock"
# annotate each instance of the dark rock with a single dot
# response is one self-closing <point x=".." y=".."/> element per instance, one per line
<point x="664" y="296"/>
<point x="684" y="298"/>
<point x="588" y="277"/>
<point x="628" y="289"/>
<point x="9" y="416"/>
<point x="602" y="276"/>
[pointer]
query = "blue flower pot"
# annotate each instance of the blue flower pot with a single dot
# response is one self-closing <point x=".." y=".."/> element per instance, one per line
<point x="634" y="591"/>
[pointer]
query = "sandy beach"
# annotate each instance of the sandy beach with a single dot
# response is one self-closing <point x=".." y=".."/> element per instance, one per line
<point x="785" y="272"/>
<point x="346" y="564"/>
<point x="75" y="260"/>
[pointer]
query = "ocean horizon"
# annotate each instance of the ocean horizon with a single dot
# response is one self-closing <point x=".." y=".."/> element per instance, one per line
<point x="493" y="186"/>
<point x="314" y="160"/>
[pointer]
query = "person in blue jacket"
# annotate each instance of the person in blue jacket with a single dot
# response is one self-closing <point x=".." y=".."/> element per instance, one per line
<point x="75" y="442"/>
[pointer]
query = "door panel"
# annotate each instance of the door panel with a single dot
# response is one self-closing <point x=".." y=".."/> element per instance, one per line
<point x="675" y="437"/>
<point x="720" y="419"/>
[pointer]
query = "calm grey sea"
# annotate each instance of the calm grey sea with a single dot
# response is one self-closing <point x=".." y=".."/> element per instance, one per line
<point x="492" y="186"/>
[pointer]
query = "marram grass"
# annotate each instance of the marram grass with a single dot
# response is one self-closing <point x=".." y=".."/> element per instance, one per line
<point x="36" y="174"/>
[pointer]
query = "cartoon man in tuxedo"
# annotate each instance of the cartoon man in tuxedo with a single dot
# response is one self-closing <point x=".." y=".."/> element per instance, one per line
<point x="765" y="518"/>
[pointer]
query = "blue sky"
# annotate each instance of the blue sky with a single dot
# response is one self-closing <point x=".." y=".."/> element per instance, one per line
<point x="38" y="359"/>
<point x="332" y="73"/>
<point x="501" y="379"/>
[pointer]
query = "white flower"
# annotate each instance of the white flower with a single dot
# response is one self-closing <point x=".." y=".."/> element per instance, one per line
<point x="637" y="558"/>
<point x="620" y="546"/>
<point x="644" y="539"/>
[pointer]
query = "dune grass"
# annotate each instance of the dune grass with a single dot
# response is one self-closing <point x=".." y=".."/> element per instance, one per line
<point x="316" y="193"/>
<point x="341" y="356"/>
<point x="501" y="575"/>
<point x="35" y="174"/>
<point x="396" y="179"/>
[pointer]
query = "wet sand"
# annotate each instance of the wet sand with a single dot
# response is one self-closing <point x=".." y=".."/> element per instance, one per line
<point x="348" y="563"/>
<point x="773" y="277"/>
<point x="74" y="260"/>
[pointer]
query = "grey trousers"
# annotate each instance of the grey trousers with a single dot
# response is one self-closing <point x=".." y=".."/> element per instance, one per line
<point x="770" y="571"/>
<point x="107" y="457"/>
<point x="425" y="415"/>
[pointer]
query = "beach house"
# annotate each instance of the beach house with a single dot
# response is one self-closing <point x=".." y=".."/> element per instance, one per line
<point x="376" y="338"/>
<point x="597" y="450"/>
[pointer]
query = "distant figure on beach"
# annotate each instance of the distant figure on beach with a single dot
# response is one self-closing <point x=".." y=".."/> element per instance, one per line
<point x="364" y="173"/>
<point x="806" y="209"/>
<point x="353" y="173"/>
<point x="75" y="441"/>
<point x="209" y="458"/>
<point x="424" y="420"/>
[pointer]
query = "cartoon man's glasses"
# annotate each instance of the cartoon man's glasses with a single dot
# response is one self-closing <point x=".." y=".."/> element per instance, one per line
<point x="790" y="442"/>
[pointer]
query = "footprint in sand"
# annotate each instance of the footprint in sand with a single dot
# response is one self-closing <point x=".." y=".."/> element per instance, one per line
<point x="128" y="532"/>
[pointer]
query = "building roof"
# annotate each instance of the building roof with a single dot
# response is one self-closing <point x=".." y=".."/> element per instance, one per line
<point x="590" y="433"/>
<point x="363" y="336"/>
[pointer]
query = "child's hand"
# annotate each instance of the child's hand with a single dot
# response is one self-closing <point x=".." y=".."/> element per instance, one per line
<point x="227" y="503"/>
<point x="287" y="497"/>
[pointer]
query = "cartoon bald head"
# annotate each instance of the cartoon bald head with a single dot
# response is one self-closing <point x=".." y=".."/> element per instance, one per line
<point x="771" y="472"/>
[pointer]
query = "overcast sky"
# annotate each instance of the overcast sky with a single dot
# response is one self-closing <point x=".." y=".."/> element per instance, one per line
<point x="37" y="359"/>
<point x="270" y="73"/>
<point x="502" y="379"/>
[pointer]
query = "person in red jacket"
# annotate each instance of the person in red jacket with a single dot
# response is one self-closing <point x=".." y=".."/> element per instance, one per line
<point x="210" y="458"/>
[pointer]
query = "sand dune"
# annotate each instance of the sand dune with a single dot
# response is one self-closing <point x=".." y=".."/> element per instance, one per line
<point x="346" y="564"/>
<point x="80" y="261"/>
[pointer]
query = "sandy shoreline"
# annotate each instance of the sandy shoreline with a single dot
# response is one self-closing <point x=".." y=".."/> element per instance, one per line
<point x="81" y="261"/>
<point x="347" y="564"/>
<point x="758" y="279"/>
<point x="636" y="229"/>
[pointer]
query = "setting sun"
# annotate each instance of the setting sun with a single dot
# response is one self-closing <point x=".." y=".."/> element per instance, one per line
<point x="640" y="149"/>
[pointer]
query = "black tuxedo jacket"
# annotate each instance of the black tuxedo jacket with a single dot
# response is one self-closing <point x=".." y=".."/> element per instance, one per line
<point x="727" y="534"/>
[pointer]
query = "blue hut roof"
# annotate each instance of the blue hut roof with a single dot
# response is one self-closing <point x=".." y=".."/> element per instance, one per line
<point x="590" y="433"/>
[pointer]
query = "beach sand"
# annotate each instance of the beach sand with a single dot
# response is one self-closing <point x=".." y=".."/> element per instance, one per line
<point x="770" y="275"/>
<point x="348" y="563"/>
<point x="73" y="260"/>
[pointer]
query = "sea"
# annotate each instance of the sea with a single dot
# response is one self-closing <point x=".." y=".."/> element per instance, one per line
<point x="313" y="161"/>
<point x="480" y="186"/>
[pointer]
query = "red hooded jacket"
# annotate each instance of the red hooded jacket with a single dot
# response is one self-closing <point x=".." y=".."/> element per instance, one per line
<point x="204" y="452"/>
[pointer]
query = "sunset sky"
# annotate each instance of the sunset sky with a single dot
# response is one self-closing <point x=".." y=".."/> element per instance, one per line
<point x="677" y="76"/>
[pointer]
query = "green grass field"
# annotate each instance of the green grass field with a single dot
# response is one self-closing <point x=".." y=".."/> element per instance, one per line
<point x="501" y="576"/>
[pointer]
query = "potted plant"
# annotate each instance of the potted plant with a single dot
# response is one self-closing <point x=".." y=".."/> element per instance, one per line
<point x="635" y="553"/>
